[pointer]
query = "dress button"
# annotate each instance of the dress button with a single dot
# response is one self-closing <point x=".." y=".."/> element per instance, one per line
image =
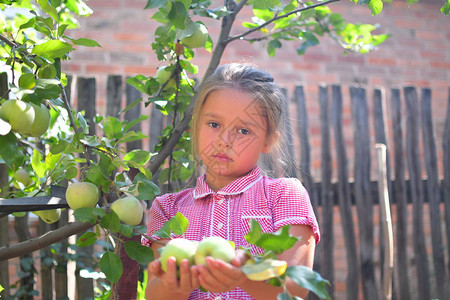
<point x="218" y="298"/>
<point x="220" y="201"/>
<point x="219" y="226"/>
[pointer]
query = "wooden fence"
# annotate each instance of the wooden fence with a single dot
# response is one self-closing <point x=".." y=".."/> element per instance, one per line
<point x="422" y="267"/>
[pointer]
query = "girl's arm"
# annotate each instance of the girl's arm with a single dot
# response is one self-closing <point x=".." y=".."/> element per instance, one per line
<point x="167" y="285"/>
<point x="222" y="277"/>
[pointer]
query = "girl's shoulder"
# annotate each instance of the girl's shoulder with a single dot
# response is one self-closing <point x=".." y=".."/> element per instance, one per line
<point x="176" y="196"/>
<point x="282" y="183"/>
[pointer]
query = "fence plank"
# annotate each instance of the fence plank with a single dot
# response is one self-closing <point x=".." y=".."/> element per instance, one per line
<point x="114" y="92"/>
<point x="327" y="195"/>
<point x="399" y="193"/>
<point x="26" y="261"/>
<point x="363" y="197"/>
<point x="305" y="165"/>
<point x="416" y="188"/>
<point x="344" y="197"/>
<point x="433" y="193"/>
<point x="446" y="180"/>
<point x="132" y="94"/>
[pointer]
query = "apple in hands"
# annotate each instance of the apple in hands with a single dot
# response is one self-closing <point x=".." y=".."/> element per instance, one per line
<point x="82" y="194"/>
<point x="180" y="249"/>
<point x="216" y="247"/>
<point x="129" y="210"/>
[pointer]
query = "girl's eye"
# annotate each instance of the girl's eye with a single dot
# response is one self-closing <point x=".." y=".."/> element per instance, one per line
<point x="244" y="131"/>
<point x="213" y="124"/>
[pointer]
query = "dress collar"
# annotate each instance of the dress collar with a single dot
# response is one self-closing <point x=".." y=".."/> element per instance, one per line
<point x="236" y="187"/>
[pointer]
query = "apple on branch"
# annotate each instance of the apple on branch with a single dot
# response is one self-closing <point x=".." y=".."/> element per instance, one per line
<point x="82" y="194"/>
<point x="49" y="216"/>
<point x="19" y="114"/>
<point x="41" y="121"/>
<point x="129" y="209"/>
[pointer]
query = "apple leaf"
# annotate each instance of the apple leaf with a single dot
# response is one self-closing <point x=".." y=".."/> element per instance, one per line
<point x="277" y="242"/>
<point x="111" y="266"/>
<point x="52" y="49"/>
<point x="138" y="252"/>
<point x="111" y="221"/>
<point x="178" y="224"/>
<point x="255" y="232"/>
<point x="309" y="279"/>
<point x="9" y="152"/>
<point x="37" y="164"/>
<point x="88" y="214"/>
<point x="376" y="6"/>
<point x="446" y="8"/>
<point x="126" y="230"/>
<point x="87" y="239"/>
<point x="137" y="156"/>
<point x="146" y="188"/>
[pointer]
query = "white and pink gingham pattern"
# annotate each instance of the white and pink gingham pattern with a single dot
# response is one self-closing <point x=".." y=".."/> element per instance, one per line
<point x="272" y="202"/>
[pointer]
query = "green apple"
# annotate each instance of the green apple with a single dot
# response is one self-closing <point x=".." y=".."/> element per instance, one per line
<point x="47" y="72"/>
<point x="22" y="176"/>
<point x="198" y="38"/>
<point x="163" y="75"/>
<point x="180" y="249"/>
<point x="82" y="194"/>
<point x="19" y="114"/>
<point x="216" y="247"/>
<point x="129" y="210"/>
<point x="41" y="121"/>
<point x="50" y="216"/>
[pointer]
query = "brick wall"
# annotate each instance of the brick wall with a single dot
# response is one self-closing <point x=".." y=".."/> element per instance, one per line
<point x="418" y="53"/>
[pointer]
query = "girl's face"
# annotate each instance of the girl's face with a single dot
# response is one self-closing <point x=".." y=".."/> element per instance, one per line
<point x="232" y="134"/>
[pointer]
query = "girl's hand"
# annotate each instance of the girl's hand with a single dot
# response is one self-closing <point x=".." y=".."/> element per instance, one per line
<point x="218" y="276"/>
<point x="186" y="282"/>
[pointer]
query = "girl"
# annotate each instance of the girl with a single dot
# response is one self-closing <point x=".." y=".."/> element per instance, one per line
<point x="236" y="119"/>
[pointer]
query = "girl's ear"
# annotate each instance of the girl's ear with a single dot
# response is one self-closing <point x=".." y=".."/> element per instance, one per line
<point x="270" y="142"/>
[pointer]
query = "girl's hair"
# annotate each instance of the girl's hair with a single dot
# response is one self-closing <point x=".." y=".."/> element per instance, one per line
<point x="256" y="83"/>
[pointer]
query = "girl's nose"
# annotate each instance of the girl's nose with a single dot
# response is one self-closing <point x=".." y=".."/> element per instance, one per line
<point x="226" y="138"/>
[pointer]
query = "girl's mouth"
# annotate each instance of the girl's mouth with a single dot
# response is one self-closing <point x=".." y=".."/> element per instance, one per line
<point x="221" y="157"/>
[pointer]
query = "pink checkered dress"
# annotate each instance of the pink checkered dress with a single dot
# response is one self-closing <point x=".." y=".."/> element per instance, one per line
<point x="226" y="213"/>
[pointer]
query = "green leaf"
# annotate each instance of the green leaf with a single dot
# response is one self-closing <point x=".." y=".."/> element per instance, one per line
<point x="126" y="230"/>
<point x="111" y="221"/>
<point x="140" y="157"/>
<point x="155" y="3"/>
<point x="409" y="2"/>
<point x="283" y="296"/>
<point x="446" y="8"/>
<point x="37" y="164"/>
<point x="309" y="279"/>
<point x="376" y="6"/>
<point x="111" y="266"/>
<point x="85" y="42"/>
<point x="12" y="156"/>
<point x="147" y="189"/>
<point x="112" y="127"/>
<point x="88" y="214"/>
<point x="278" y="241"/>
<point x="87" y="239"/>
<point x="49" y="9"/>
<point x="178" y="224"/>
<point x="255" y="232"/>
<point x="178" y="14"/>
<point x="138" y="252"/>
<point x="52" y="49"/>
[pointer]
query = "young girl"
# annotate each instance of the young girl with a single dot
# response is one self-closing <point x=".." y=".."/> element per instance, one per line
<point x="237" y="118"/>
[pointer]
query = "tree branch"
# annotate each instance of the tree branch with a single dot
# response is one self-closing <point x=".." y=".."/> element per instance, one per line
<point x="42" y="241"/>
<point x="240" y="36"/>
<point x="222" y="42"/>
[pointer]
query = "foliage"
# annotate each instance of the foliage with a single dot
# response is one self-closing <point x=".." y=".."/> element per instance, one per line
<point x="35" y="41"/>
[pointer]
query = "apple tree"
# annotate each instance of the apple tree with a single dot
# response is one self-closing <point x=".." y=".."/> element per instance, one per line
<point x="46" y="142"/>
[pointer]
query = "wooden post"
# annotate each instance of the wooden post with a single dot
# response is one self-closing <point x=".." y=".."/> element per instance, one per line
<point x="132" y="94"/>
<point x="345" y="205"/>
<point x="386" y="221"/>
<point x="416" y="187"/>
<point x="363" y="196"/>
<point x="399" y="194"/>
<point x="433" y="193"/>
<point x="446" y="180"/>
<point x="327" y="195"/>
